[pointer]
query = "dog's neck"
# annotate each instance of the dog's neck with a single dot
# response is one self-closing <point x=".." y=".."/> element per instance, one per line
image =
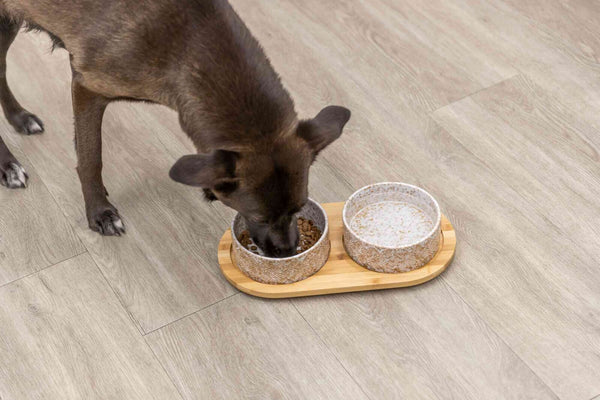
<point x="228" y="94"/>
<point x="234" y="128"/>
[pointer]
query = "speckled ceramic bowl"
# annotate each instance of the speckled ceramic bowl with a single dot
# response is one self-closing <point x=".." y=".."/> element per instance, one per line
<point x="289" y="269"/>
<point x="391" y="227"/>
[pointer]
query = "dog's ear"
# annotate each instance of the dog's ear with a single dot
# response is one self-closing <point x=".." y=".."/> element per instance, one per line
<point x="323" y="129"/>
<point x="205" y="170"/>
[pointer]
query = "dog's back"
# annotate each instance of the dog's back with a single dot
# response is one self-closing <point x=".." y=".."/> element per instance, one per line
<point x="172" y="52"/>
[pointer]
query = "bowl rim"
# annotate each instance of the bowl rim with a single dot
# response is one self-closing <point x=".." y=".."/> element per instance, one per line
<point x="436" y="223"/>
<point x="304" y="253"/>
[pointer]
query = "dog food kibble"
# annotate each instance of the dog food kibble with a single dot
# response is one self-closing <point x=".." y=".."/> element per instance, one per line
<point x="309" y="235"/>
<point x="247" y="242"/>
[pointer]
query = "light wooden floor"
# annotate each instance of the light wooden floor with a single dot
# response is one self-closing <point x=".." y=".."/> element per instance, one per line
<point x="492" y="106"/>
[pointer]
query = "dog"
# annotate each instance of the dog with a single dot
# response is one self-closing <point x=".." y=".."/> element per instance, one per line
<point x="198" y="58"/>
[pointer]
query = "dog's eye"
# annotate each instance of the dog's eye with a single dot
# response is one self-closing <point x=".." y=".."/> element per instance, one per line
<point x="226" y="187"/>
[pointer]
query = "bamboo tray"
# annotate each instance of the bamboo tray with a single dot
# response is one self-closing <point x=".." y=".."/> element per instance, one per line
<point x="340" y="274"/>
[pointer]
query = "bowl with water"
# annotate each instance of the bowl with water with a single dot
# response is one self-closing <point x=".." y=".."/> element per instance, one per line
<point x="391" y="227"/>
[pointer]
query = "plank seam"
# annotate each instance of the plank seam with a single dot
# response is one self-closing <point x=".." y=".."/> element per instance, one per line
<point x="513" y="351"/>
<point x="329" y="349"/>
<point x="43" y="269"/>
<point x="163" y="368"/>
<point x="191" y="313"/>
<point x="430" y="114"/>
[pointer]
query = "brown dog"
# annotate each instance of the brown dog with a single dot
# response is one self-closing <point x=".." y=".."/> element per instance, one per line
<point x="198" y="58"/>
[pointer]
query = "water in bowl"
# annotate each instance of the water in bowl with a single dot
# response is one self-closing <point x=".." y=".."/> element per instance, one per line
<point x="391" y="223"/>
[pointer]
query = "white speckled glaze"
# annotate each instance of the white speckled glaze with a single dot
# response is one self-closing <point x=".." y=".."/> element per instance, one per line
<point x="283" y="270"/>
<point x="407" y="218"/>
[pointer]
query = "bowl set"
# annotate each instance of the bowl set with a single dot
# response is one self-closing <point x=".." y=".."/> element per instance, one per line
<point x="385" y="231"/>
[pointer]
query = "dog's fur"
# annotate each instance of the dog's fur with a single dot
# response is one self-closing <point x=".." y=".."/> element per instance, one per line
<point x="198" y="58"/>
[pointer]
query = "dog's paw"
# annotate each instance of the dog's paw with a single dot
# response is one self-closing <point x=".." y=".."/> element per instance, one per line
<point x="13" y="176"/>
<point x="107" y="222"/>
<point x="26" y="123"/>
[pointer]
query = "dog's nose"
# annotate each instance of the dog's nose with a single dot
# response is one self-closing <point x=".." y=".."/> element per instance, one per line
<point x="283" y="238"/>
<point x="286" y="251"/>
<point x="280" y="249"/>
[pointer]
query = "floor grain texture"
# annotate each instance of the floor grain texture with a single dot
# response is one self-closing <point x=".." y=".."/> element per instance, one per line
<point x="34" y="232"/>
<point x="490" y="106"/>
<point x="249" y="348"/>
<point x="423" y="342"/>
<point x="65" y="336"/>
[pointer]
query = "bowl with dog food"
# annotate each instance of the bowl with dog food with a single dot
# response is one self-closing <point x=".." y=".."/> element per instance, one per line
<point x="391" y="227"/>
<point x="313" y="249"/>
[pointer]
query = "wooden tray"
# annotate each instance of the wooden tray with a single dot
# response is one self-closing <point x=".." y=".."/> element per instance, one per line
<point x="340" y="273"/>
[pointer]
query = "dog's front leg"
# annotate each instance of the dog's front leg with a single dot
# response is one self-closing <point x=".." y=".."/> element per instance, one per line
<point x="88" y="109"/>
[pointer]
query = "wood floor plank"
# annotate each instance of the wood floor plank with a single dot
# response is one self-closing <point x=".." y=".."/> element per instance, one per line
<point x="34" y="233"/>
<point x="65" y="336"/>
<point x="420" y="343"/>
<point x="382" y="50"/>
<point x="470" y="51"/>
<point x="553" y="152"/>
<point x="537" y="147"/>
<point x="552" y="42"/>
<point x="165" y="267"/>
<point x="575" y="21"/>
<point x="250" y="348"/>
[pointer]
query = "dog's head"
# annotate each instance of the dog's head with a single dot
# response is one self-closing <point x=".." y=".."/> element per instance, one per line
<point x="267" y="184"/>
